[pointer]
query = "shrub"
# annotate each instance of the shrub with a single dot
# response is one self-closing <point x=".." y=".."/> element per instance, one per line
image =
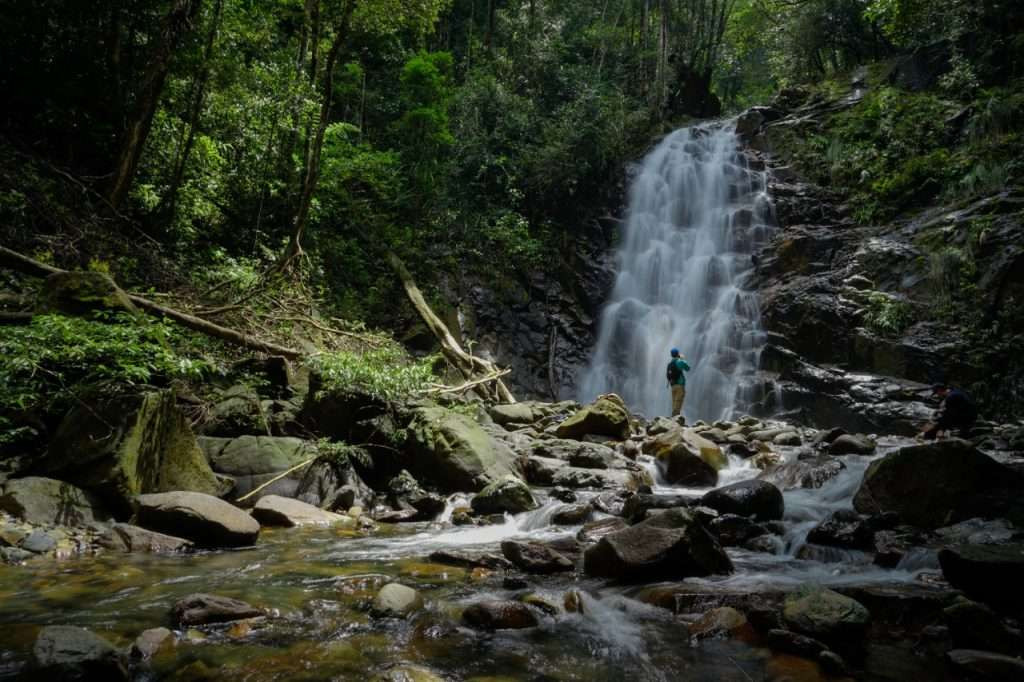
<point x="886" y="314"/>
<point x="385" y="373"/>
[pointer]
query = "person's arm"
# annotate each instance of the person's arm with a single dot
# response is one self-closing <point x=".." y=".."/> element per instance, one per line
<point x="686" y="365"/>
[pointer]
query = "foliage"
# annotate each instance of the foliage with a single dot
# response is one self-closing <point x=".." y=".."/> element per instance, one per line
<point x="384" y="373"/>
<point x="343" y="454"/>
<point x="886" y="314"/>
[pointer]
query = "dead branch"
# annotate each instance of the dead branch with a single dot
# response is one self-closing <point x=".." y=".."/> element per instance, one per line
<point x="440" y="389"/>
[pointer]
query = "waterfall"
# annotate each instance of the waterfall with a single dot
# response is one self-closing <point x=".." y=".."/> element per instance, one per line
<point x="697" y="211"/>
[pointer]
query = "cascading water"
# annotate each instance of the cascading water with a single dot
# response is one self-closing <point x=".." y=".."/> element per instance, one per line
<point x="697" y="210"/>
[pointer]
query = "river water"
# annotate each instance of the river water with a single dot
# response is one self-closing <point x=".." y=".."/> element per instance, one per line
<point x="317" y="583"/>
<point x="696" y="213"/>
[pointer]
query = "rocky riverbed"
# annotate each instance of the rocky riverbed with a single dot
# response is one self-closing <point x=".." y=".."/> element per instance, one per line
<point x="526" y="541"/>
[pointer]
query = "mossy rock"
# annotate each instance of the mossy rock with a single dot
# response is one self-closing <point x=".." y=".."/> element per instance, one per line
<point x="607" y="416"/>
<point x="821" y="613"/>
<point x="82" y="293"/>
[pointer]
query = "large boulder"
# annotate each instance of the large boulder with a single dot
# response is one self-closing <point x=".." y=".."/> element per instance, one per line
<point x="128" y="538"/>
<point x="333" y="484"/>
<point x="935" y="484"/>
<point x="82" y="293"/>
<point x="405" y="494"/>
<point x="64" y="652"/>
<point x="669" y="546"/>
<point x="826" y="615"/>
<point x="606" y="416"/>
<point x="680" y="465"/>
<point x="45" y="501"/>
<point x="677" y="436"/>
<point x="204" y="519"/>
<point x="202" y="609"/>
<point x="454" y="452"/>
<point x="253" y="461"/>
<point x="577" y="453"/>
<point x="508" y="494"/>
<point x="988" y="573"/>
<point x="758" y="499"/>
<point x="274" y="510"/>
<point x="129" y="445"/>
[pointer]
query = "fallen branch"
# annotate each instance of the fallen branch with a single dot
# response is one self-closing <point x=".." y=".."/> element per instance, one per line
<point x="440" y="389"/>
<point x="369" y="341"/>
<point x="275" y="479"/>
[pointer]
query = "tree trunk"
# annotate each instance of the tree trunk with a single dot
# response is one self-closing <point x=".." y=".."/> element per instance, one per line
<point x="177" y="24"/>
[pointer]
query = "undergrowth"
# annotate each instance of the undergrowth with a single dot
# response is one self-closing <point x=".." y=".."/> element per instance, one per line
<point x="385" y="373"/>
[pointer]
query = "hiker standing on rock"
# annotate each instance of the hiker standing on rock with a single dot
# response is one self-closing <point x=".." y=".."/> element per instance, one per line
<point x="676" y="375"/>
<point x="956" y="412"/>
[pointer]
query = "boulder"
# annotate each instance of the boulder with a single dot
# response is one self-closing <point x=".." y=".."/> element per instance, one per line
<point x="125" y="537"/>
<point x="499" y="615"/>
<point x="450" y="557"/>
<point x="396" y="601"/>
<point x="576" y="453"/>
<point x="671" y="545"/>
<point x="453" y="452"/>
<point x="826" y="615"/>
<point x="733" y="530"/>
<point x="571" y="514"/>
<point x="607" y="416"/>
<point x="533" y="557"/>
<point x="202" y="609"/>
<point x="680" y="465"/>
<point x="848" y="444"/>
<point x="724" y="621"/>
<point x="935" y="484"/>
<point x="847" y="528"/>
<point x="129" y="445"/>
<point x="274" y="510"/>
<point x="982" y="666"/>
<point x="637" y="506"/>
<point x="787" y="438"/>
<point x="204" y="519"/>
<point x="333" y="485"/>
<point x="64" y="652"/>
<point x="690" y="439"/>
<point x="253" y="461"/>
<point x="976" y="626"/>
<point x="988" y="573"/>
<point x="593" y="531"/>
<point x="147" y="644"/>
<point x="45" y="501"/>
<point x="82" y="293"/>
<point x="405" y="493"/>
<point x="38" y="542"/>
<point x="758" y="499"/>
<point x="507" y="494"/>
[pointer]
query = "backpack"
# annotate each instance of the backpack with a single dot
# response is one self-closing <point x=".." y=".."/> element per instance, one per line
<point x="673" y="372"/>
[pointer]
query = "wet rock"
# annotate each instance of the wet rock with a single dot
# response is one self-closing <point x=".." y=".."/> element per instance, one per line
<point x="507" y="494"/>
<point x="147" y="644"/>
<point x="203" y="519"/>
<point x="733" y="530"/>
<point x="724" y="621"/>
<point x="395" y="600"/>
<point x="821" y="613"/>
<point x="976" y="626"/>
<point x="404" y="492"/>
<point x="469" y="560"/>
<point x="253" y="461"/>
<point x="985" y="665"/>
<point x="571" y="515"/>
<point x="742" y="449"/>
<point x="606" y="416"/>
<point x="541" y="603"/>
<point x="533" y="557"/>
<point x="988" y="573"/>
<point x="769" y="544"/>
<point x="333" y="485"/>
<point x="511" y="582"/>
<point x="934" y="484"/>
<point x="14" y="555"/>
<point x="499" y="615"/>
<point x="811" y="472"/>
<point x="977" y="532"/>
<point x="576" y="453"/>
<point x="202" y="609"/>
<point x="610" y="502"/>
<point x="124" y="446"/>
<point x="595" y="530"/>
<point x="848" y="444"/>
<point x="758" y="499"/>
<point x="671" y="545"/>
<point x="455" y="453"/>
<point x="563" y="495"/>
<point x="680" y="465"/>
<point x="64" y="652"/>
<point x="274" y="510"/>
<point x="38" y="542"/>
<point x="788" y="438"/>
<point x="847" y="528"/>
<point x="45" y="501"/>
<point x="795" y="643"/>
<point x="828" y="436"/>
<point x="408" y="673"/>
<point x="124" y="537"/>
<point x="637" y="506"/>
<point x="832" y="663"/>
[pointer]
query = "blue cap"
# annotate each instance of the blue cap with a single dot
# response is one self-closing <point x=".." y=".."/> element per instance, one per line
<point x="674" y="352"/>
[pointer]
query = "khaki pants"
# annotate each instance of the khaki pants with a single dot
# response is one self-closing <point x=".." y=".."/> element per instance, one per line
<point x="678" y="396"/>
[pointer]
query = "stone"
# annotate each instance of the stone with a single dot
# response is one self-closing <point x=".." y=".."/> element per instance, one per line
<point x="14" y="555"/>
<point x="541" y="603"/>
<point x="333" y="485"/>
<point x="533" y="557"/>
<point x="848" y="444"/>
<point x="826" y="615"/>
<point x="45" y="501"/>
<point x="129" y="445"/>
<point x="407" y="673"/>
<point x="724" y="621"/>
<point x="253" y="461"/>
<point x="404" y="492"/>
<point x="395" y="600"/>
<point x="274" y="510"/>
<point x="125" y="537"/>
<point x="733" y="530"/>
<point x="499" y="615"/>
<point x="506" y="495"/>
<point x="203" y="609"/>
<point x="454" y="452"/>
<point x="788" y="438"/>
<point x="985" y="665"/>
<point x="571" y="514"/>
<point x="203" y="519"/>
<point x="671" y="545"/>
<point x="38" y="542"/>
<point x="147" y="644"/>
<point x="758" y="499"/>
<point x="988" y="573"/>
<point x="82" y="293"/>
<point x="64" y="652"/>
<point x="935" y="484"/>
<point x="681" y="465"/>
<point x="847" y="528"/>
<point x="976" y="626"/>
<point x="606" y="416"/>
<point x="637" y="507"/>
<point x="795" y="643"/>
<point x="514" y="413"/>
<point x="451" y="557"/>
<point x="593" y="531"/>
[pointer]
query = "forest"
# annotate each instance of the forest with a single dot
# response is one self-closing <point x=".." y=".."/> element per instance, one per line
<point x="418" y="265"/>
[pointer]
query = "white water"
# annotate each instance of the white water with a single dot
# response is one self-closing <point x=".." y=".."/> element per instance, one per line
<point x="696" y="213"/>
